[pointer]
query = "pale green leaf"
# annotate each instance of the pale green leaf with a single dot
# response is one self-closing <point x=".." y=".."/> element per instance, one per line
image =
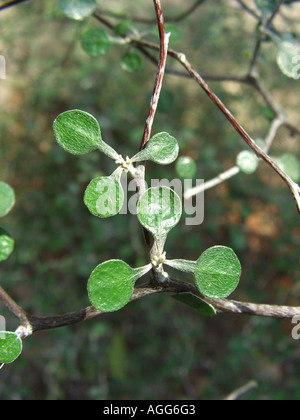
<point x="132" y="61"/>
<point x="7" y="198"/>
<point x="186" y="167"/>
<point x="10" y="347"/>
<point x="159" y="210"/>
<point x="96" y="42"/>
<point x="217" y="272"/>
<point x="288" y="58"/>
<point x="111" y="284"/>
<point x="78" y="133"/>
<point x="6" y="245"/>
<point x="78" y="9"/>
<point x="290" y="165"/>
<point x="247" y="162"/>
<point x="104" y="197"/>
<point x="161" y="148"/>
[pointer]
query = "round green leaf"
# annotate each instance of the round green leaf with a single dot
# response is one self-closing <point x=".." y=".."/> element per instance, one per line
<point x="217" y="272"/>
<point x="7" y="198"/>
<point x="6" y="245"/>
<point x="104" y="197"/>
<point x="186" y="167"/>
<point x="159" y="210"/>
<point x="132" y="61"/>
<point x="10" y="347"/>
<point x="96" y="42"/>
<point x="161" y="148"/>
<point x="247" y="162"/>
<point x="290" y="165"/>
<point x="288" y="58"/>
<point x="111" y="284"/>
<point x="124" y="28"/>
<point x="77" y="9"/>
<point x="78" y="133"/>
<point x="196" y="303"/>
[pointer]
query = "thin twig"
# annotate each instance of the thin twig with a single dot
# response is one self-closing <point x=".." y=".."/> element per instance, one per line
<point x="164" y="43"/>
<point x="139" y="19"/>
<point x="235" y="395"/>
<point x="15" y="309"/>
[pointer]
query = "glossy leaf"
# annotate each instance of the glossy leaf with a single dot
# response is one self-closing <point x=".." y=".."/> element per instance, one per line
<point x="159" y="210"/>
<point x="104" y="197"/>
<point x="290" y="165"/>
<point x="7" y="199"/>
<point x="111" y="284"/>
<point x="96" y="42"/>
<point x="196" y="303"/>
<point x="78" y="9"/>
<point x="132" y="61"/>
<point x="186" y="167"/>
<point x="288" y="58"/>
<point x="217" y="272"/>
<point x="247" y="162"/>
<point x="78" y="133"/>
<point x="6" y="245"/>
<point x="161" y="148"/>
<point x="10" y="347"/>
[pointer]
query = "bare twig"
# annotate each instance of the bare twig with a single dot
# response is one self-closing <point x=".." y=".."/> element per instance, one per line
<point x="164" y="43"/>
<point x="235" y="395"/>
<point x="15" y="309"/>
<point x="8" y="4"/>
<point x="138" y="19"/>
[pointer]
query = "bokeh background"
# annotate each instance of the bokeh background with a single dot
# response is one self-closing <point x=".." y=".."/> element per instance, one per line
<point x="155" y="348"/>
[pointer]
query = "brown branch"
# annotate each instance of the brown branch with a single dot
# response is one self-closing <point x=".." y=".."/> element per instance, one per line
<point x="164" y="42"/>
<point x="139" y="19"/>
<point x="14" y="308"/>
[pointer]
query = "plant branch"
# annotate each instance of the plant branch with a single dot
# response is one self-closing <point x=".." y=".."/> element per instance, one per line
<point x="15" y="309"/>
<point x="8" y="4"/>
<point x="164" y="43"/>
<point x="174" y="19"/>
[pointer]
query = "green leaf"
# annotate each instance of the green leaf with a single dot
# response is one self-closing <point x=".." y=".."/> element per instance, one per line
<point x="111" y="284"/>
<point x="104" y="197"/>
<point x="124" y="28"/>
<point x="161" y="148"/>
<point x="78" y="133"/>
<point x="10" y="347"/>
<point x="247" y="162"/>
<point x="7" y="199"/>
<point x="159" y="210"/>
<point x="186" y="167"/>
<point x="77" y="9"/>
<point x="6" y="245"/>
<point x="96" y="42"/>
<point x="132" y="61"/>
<point x="290" y="165"/>
<point x="217" y="272"/>
<point x="288" y="57"/>
<point x="196" y="303"/>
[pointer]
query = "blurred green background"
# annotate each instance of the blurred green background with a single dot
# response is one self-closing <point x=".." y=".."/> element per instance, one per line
<point x="154" y="348"/>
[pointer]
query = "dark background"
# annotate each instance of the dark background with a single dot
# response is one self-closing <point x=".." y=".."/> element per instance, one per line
<point x="154" y="348"/>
